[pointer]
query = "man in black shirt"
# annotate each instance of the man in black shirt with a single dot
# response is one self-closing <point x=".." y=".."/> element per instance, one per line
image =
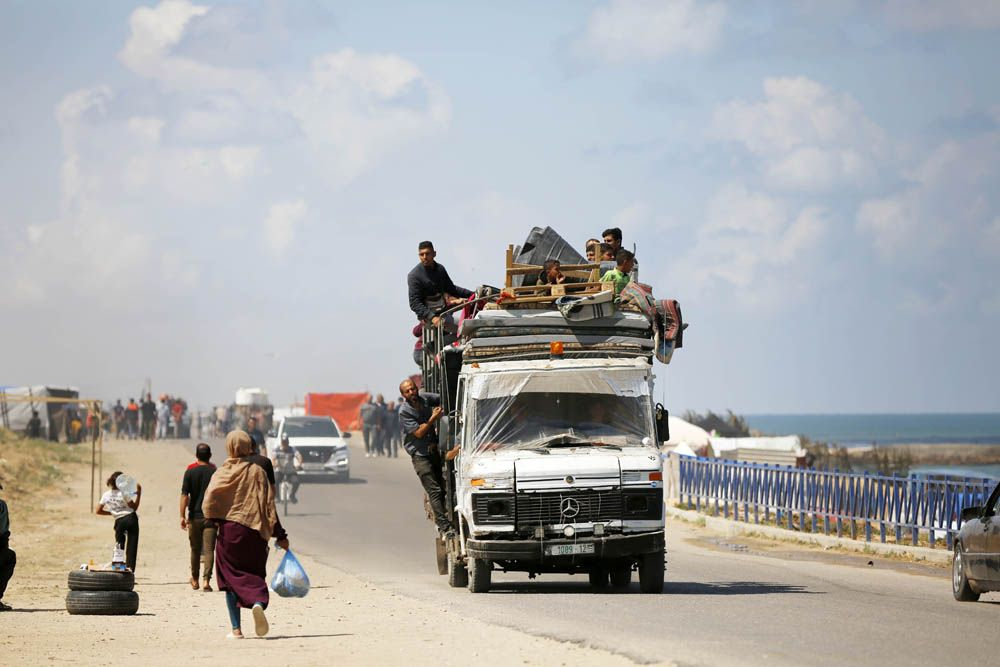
<point x="201" y="535"/>
<point x="430" y="286"/>
<point x="148" y="418"/>
<point x="255" y="434"/>
<point x="418" y="420"/>
<point x="34" y="425"/>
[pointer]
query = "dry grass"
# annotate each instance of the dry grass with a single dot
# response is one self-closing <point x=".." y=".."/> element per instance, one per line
<point x="30" y="468"/>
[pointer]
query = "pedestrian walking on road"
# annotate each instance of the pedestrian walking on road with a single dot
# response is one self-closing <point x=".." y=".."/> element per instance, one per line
<point x="162" y="418"/>
<point x="256" y="435"/>
<point x="368" y="430"/>
<point x="8" y="559"/>
<point x="123" y="509"/>
<point x="148" y="410"/>
<point x="380" y="423"/>
<point x="240" y="499"/>
<point x="201" y="533"/>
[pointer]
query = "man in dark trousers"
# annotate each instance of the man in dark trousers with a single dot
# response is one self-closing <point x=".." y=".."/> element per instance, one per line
<point x="34" y="429"/>
<point x="430" y="287"/>
<point x="418" y="420"/>
<point x="381" y="444"/>
<point x="369" y="420"/>
<point x="201" y="535"/>
<point x="256" y="435"/>
<point x="148" y="409"/>
<point x="8" y="559"/>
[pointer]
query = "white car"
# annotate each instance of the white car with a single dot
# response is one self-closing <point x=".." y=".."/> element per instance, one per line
<point x="320" y="442"/>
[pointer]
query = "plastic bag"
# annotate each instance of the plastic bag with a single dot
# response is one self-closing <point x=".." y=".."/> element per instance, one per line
<point x="290" y="579"/>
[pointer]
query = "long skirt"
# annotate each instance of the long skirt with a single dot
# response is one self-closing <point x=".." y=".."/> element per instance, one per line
<point x="240" y="563"/>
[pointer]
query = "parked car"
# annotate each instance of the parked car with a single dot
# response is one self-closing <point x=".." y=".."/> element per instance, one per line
<point x="321" y="443"/>
<point x="976" y="562"/>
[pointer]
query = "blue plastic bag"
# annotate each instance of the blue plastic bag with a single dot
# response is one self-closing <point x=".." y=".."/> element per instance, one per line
<point x="290" y="579"/>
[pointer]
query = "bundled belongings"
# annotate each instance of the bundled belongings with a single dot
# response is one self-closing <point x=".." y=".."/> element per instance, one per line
<point x="586" y="307"/>
<point x="664" y="315"/>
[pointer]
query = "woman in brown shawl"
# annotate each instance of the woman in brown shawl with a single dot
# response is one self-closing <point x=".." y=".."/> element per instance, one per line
<point x="241" y="500"/>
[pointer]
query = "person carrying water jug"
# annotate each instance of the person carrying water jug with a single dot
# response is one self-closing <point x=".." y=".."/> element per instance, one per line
<point x="122" y="506"/>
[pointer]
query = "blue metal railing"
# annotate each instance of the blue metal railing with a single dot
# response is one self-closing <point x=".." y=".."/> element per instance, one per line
<point x="827" y="500"/>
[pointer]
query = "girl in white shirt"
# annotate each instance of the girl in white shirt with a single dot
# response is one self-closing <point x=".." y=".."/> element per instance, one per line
<point x="123" y="509"/>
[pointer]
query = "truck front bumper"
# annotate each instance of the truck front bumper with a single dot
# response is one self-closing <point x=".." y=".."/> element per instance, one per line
<point x="606" y="547"/>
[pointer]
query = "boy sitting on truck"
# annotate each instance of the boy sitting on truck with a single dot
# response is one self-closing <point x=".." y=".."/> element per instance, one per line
<point x="619" y="275"/>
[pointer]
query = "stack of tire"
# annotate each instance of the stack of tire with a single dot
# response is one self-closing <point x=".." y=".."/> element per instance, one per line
<point x="98" y="593"/>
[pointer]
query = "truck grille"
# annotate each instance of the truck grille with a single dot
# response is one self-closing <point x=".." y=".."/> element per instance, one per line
<point x="560" y="507"/>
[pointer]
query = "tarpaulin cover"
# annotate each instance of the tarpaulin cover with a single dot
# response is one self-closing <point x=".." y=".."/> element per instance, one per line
<point x="545" y="409"/>
<point x="15" y="415"/>
<point x="344" y="408"/>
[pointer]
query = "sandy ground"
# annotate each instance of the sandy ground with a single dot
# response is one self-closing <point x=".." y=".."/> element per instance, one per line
<point x="343" y="619"/>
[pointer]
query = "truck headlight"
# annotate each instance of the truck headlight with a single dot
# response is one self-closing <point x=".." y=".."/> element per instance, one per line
<point x="493" y="507"/>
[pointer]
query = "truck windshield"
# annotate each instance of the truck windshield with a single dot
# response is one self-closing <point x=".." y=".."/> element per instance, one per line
<point x="319" y="428"/>
<point x="545" y="409"/>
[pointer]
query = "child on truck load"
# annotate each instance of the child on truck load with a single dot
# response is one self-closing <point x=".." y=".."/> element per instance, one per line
<point x="619" y="275"/>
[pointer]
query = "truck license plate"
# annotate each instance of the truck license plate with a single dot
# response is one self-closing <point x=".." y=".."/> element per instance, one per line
<point x="569" y="549"/>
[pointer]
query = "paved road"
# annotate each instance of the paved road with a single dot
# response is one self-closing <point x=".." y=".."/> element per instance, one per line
<point x="720" y="606"/>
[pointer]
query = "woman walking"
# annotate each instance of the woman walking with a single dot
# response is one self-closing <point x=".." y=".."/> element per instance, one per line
<point x="123" y="509"/>
<point x="241" y="500"/>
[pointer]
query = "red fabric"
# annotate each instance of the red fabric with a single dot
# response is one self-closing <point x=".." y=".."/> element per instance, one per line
<point x="344" y="408"/>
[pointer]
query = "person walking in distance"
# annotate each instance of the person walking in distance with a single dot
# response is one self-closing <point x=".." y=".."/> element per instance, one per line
<point x="132" y="419"/>
<point x="287" y="462"/>
<point x="148" y="409"/>
<point x="163" y="418"/>
<point x="418" y="420"/>
<point x="241" y="500"/>
<point x="34" y="429"/>
<point x="368" y="430"/>
<point x="390" y="427"/>
<point x="380" y="419"/>
<point x="8" y="559"/>
<point x="255" y="434"/>
<point x="118" y="419"/>
<point x="201" y="533"/>
<point x="123" y="509"/>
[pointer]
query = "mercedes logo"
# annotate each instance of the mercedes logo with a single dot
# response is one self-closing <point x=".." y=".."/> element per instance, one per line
<point x="569" y="508"/>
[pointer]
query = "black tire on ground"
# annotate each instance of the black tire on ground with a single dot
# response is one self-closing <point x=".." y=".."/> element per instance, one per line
<point x="85" y="580"/>
<point x="960" y="587"/>
<point x="480" y="575"/>
<point x="102" y="603"/>
<point x="621" y="575"/>
<point x="458" y="576"/>
<point x="442" y="555"/>
<point x="651" y="573"/>
<point x="598" y="576"/>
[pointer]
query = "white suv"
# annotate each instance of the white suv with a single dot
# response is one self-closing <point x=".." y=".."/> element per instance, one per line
<point x="320" y="442"/>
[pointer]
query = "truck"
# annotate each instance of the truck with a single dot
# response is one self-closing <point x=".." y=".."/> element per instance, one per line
<point x="552" y="436"/>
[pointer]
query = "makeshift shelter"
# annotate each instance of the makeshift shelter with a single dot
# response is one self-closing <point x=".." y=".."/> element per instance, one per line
<point x="685" y="436"/>
<point x="781" y="450"/>
<point x="14" y="415"/>
<point x="344" y="408"/>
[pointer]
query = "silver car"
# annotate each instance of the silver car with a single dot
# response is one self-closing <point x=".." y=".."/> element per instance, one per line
<point x="976" y="562"/>
<point x="320" y="442"/>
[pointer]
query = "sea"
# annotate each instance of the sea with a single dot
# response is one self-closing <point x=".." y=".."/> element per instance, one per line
<point x="859" y="430"/>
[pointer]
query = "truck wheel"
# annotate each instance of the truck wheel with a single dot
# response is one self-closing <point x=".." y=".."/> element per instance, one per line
<point x="598" y="576"/>
<point x="651" y="572"/>
<point x="621" y="575"/>
<point x="102" y="603"/>
<point x="442" y="555"/>
<point x="480" y="575"/>
<point x="458" y="576"/>
<point x="85" y="580"/>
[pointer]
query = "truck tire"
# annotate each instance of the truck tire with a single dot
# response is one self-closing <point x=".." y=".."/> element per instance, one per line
<point x="85" y="580"/>
<point x="480" y="575"/>
<point x="442" y="555"/>
<point x="458" y="576"/>
<point x="598" y="576"/>
<point x="621" y="575"/>
<point x="102" y="603"/>
<point x="651" y="572"/>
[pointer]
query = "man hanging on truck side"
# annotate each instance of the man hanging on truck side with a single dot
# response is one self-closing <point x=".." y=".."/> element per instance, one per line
<point x="430" y="287"/>
<point x="418" y="419"/>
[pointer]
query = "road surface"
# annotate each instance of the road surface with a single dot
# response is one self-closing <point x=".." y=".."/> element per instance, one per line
<point x="721" y="604"/>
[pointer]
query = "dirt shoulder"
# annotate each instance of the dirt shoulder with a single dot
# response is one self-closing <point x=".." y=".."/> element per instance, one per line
<point x="343" y="619"/>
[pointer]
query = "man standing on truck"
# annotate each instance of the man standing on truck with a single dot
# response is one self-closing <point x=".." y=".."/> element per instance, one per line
<point x="418" y="421"/>
<point x="430" y="286"/>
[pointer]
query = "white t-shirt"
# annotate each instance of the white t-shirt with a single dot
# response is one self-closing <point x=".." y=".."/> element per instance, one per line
<point x="114" y="501"/>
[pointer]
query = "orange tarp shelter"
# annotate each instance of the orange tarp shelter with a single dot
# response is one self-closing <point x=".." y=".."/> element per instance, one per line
<point x="344" y="408"/>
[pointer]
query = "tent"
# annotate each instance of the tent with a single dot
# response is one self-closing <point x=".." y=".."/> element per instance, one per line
<point x="15" y="415"/>
<point x="684" y="432"/>
<point x="344" y="408"/>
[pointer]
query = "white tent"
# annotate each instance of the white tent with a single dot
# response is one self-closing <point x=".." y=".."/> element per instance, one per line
<point x="686" y="433"/>
<point x="784" y="443"/>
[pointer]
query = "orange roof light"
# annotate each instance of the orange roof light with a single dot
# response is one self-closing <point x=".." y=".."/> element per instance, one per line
<point x="556" y="348"/>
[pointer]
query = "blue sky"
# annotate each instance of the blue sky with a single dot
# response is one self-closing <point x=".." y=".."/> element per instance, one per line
<point x="230" y="194"/>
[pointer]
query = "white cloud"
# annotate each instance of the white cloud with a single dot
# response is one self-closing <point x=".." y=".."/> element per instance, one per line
<point x="805" y="136"/>
<point x="639" y="218"/>
<point x="754" y="247"/>
<point x="931" y="15"/>
<point x="950" y="202"/>
<point x="280" y="223"/>
<point x="644" y="30"/>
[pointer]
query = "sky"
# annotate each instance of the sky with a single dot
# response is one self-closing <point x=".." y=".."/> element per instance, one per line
<point x="214" y="196"/>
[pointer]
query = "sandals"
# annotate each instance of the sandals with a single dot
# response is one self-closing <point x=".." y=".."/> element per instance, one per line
<point x="207" y="587"/>
<point x="194" y="583"/>
<point x="232" y="636"/>
<point x="260" y="625"/>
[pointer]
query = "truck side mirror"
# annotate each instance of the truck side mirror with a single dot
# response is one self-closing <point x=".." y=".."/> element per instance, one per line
<point x="444" y="434"/>
<point x="662" y="424"/>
